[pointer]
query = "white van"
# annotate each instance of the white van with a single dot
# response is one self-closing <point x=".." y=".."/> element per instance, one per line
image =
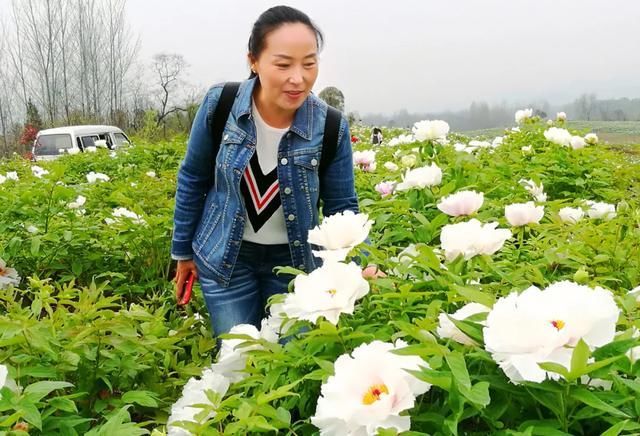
<point x="51" y="143"/>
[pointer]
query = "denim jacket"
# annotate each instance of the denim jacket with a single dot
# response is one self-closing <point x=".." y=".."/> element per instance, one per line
<point x="209" y="219"/>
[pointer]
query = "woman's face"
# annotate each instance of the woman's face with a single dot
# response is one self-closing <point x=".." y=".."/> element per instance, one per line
<point x="287" y="67"/>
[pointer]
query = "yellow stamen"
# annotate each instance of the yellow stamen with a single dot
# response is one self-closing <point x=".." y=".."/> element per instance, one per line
<point x="558" y="324"/>
<point x="332" y="292"/>
<point x="373" y="394"/>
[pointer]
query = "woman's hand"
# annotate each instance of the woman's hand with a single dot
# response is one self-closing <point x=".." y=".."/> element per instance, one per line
<point x="372" y="272"/>
<point x="183" y="269"/>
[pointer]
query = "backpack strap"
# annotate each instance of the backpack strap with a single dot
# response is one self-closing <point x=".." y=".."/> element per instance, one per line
<point x="329" y="139"/>
<point x="221" y="114"/>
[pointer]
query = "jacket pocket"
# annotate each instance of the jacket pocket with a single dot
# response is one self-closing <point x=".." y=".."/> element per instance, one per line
<point x="306" y="166"/>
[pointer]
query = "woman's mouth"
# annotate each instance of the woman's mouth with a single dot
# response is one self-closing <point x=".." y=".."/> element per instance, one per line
<point x="294" y="95"/>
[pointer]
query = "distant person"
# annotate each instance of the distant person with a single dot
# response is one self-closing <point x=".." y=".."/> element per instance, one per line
<point x="376" y="136"/>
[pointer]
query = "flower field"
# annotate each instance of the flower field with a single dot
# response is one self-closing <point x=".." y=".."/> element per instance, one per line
<point x="509" y="301"/>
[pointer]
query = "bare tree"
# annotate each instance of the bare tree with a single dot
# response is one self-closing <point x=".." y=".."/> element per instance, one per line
<point x="168" y="69"/>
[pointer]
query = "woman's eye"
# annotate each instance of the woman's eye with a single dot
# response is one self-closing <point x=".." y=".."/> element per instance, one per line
<point x="282" y="65"/>
<point x="309" y="65"/>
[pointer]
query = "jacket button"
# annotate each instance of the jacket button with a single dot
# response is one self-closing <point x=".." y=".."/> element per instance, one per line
<point x="314" y="162"/>
<point x="284" y="161"/>
<point x="301" y="267"/>
<point x="288" y="135"/>
<point x="287" y="190"/>
<point x="291" y="217"/>
<point x="296" y="243"/>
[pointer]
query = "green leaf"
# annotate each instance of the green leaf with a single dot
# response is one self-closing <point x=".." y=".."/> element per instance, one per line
<point x="30" y="413"/>
<point x="143" y="398"/>
<point x="555" y="367"/>
<point x="591" y="399"/>
<point x="64" y="404"/>
<point x="39" y="390"/>
<point x="458" y="367"/>
<point x="474" y="295"/>
<point x="471" y="329"/>
<point x="35" y="245"/>
<point x="579" y="359"/>
<point x="615" y="430"/>
<point x="615" y="348"/>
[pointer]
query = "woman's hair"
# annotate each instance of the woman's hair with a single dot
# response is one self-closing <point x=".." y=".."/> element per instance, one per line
<point x="273" y="18"/>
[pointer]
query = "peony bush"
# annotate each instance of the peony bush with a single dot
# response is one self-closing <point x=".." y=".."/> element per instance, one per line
<point x="509" y="304"/>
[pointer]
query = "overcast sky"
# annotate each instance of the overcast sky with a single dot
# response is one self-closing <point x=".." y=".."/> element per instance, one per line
<point x="420" y="55"/>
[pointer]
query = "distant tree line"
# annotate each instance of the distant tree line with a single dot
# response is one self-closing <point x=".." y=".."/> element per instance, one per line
<point x="65" y="62"/>
<point x="481" y="115"/>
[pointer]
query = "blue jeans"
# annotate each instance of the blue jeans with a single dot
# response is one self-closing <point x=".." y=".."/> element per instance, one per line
<point x="252" y="283"/>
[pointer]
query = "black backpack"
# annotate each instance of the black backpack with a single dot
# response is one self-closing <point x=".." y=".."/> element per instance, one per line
<point x="221" y="113"/>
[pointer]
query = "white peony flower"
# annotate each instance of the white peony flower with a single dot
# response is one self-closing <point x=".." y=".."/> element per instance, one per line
<point x="73" y="150"/>
<point x="591" y="138"/>
<point x="32" y="229"/>
<point x="8" y="276"/>
<point x="232" y="359"/>
<point x="634" y="353"/>
<point x="427" y="130"/>
<point x="408" y="161"/>
<point x="90" y="149"/>
<point x="571" y="214"/>
<point x="38" y="171"/>
<point x="121" y="212"/>
<point x="327" y="291"/>
<point x="78" y="203"/>
<point x="520" y="214"/>
<point x="523" y="330"/>
<point x="498" y="140"/>
<point x="385" y="188"/>
<point x="402" y="139"/>
<point x="577" y="142"/>
<point x="558" y="136"/>
<point x="599" y="210"/>
<point x="536" y="191"/>
<point x="461" y="203"/>
<point x="100" y="143"/>
<point x="523" y="114"/>
<point x="339" y="233"/>
<point x="151" y="174"/>
<point x="12" y="175"/>
<point x="472" y="238"/>
<point x="475" y="144"/>
<point x="194" y="392"/>
<point x="526" y="149"/>
<point x="94" y="177"/>
<point x="4" y="373"/>
<point x="2" y="179"/>
<point x="391" y="166"/>
<point x="561" y="116"/>
<point x="368" y="391"/>
<point x="448" y="330"/>
<point x="365" y="160"/>
<point x="421" y="178"/>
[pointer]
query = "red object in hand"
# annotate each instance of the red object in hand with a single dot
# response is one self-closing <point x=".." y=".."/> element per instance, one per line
<point x="184" y="291"/>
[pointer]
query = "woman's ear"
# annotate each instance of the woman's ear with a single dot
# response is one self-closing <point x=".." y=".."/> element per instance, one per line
<point x="252" y="63"/>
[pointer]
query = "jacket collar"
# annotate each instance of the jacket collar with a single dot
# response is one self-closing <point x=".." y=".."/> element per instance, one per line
<point x="302" y="120"/>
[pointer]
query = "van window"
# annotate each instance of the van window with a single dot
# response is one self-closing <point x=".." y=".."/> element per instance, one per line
<point x="121" y="138"/>
<point x="51" y="144"/>
<point x="89" y="141"/>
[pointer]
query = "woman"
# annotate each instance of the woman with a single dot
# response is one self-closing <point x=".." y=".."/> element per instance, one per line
<point x="231" y="232"/>
<point x="376" y="136"/>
